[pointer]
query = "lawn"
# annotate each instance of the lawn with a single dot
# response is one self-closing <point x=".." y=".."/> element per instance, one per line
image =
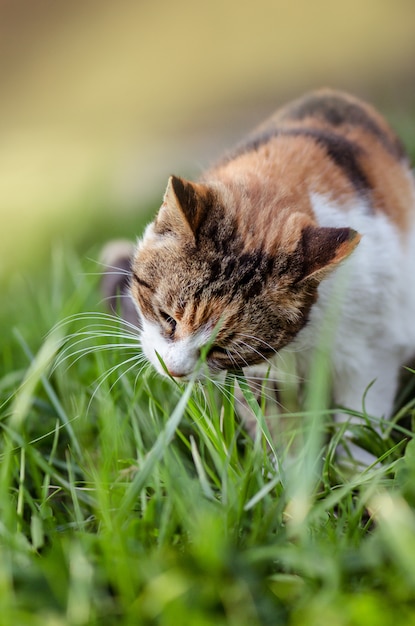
<point x="127" y="499"/>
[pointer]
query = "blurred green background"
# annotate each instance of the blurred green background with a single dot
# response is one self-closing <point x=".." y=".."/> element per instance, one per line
<point x="102" y="100"/>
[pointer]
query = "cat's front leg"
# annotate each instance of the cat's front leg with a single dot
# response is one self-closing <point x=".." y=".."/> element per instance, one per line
<point x="276" y="387"/>
<point x="372" y="397"/>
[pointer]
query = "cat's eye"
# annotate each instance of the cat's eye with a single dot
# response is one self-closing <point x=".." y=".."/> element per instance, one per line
<point x="169" y="320"/>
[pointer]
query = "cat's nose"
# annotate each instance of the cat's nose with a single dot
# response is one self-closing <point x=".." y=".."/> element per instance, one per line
<point x="175" y="373"/>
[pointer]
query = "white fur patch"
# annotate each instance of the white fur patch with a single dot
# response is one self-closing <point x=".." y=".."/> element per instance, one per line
<point x="180" y="356"/>
<point x="375" y="333"/>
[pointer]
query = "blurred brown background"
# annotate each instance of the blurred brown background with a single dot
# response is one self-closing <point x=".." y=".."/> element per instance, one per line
<point x="101" y="100"/>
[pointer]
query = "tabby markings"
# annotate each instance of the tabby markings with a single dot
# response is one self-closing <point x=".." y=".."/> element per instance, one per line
<point x="336" y="111"/>
<point x="141" y="282"/>
<point x="343" y="152"/>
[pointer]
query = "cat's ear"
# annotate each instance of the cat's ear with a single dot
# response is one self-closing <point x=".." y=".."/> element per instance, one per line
<point x="184" y="207"/>
<point x="324" y="248"/>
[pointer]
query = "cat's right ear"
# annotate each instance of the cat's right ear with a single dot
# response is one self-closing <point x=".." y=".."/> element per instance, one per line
<point x="323" y="248"/>
<point x="183" y="209"/>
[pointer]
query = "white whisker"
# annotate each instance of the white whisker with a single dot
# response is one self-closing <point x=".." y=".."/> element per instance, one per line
<point x="96" y="316"/>
<point x="110" y="269"/>
<point x="92" y="350"/>
<point x="85" y="337"/>
<point x="116" y="269"/>
<point x="101" y="380"/>
<point x="247" y="345"/>
<point x="267" y="345"/>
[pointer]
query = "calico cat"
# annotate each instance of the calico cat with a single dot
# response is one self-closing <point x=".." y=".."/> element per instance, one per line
<point x="251" y="254"/>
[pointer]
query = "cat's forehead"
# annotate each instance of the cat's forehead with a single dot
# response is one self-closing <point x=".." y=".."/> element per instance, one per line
<point x="167" y="273"/>
<point x="219" y="263"/>
<point x="165" y="256"/>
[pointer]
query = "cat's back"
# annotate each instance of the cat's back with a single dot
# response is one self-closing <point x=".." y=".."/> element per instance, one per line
<point x="331" y="144"/>
<point x="326" y="114"/>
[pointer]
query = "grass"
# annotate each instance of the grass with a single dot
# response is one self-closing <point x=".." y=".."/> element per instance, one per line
<point x="126" y="499"/>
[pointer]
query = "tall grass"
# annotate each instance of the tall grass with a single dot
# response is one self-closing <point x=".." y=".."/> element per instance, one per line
<point x="127" y="499"/>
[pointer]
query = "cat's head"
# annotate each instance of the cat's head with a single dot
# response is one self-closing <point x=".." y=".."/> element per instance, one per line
<point x="203" y="276"/>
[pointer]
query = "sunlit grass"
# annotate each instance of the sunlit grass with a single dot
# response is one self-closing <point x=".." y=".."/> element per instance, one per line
<point x="126" y="499"/>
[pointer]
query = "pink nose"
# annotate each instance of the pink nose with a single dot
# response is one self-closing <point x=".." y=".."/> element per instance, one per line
<point x="175" y="374"/>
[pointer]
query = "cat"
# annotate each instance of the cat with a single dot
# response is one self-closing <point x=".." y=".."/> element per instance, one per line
<point x="250" y="257"/>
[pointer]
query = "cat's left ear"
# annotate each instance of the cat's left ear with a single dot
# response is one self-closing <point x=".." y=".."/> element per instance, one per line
<point x="184" y="207"/>
<point x="324" y="248"/>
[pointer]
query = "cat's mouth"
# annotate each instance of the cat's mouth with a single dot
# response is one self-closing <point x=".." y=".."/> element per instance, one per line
<point x="215" y="364"/>
<point x="203" y="373"/>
